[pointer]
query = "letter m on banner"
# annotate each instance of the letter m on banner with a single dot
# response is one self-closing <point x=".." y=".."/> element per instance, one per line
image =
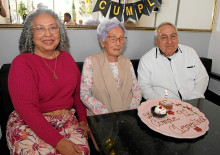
<point x="103" y="6"/>
<point x="130" y="11"/>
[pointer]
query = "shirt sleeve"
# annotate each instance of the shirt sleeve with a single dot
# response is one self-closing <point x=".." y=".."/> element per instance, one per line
<point x="25" y="98"/>
<point x="144" y="75"/>
<point x="136" y="90"/>
<point x="93" y="104"/>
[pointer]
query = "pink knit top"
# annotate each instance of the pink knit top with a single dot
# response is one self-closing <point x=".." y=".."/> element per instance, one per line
<point x="34" y="90"/>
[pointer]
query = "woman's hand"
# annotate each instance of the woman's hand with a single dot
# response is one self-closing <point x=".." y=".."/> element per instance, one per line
<point x="83" y="125"/>
<point x="66" y="147"/>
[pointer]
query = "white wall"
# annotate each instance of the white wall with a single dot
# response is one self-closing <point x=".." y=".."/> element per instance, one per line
<point x="214" y="54"/>
<point x="84" y="43"/>
<point x="214" y="51"/>
<point x="198" y="14"/>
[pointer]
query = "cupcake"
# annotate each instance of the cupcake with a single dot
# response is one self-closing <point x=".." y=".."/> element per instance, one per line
<point x="159" y="111"/>
<point x="167" y="105"/>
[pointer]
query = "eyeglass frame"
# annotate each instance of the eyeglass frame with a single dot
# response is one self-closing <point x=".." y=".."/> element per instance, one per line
<point x="46" y="28"/>
<point x="165" y="39"/>
<point x="116" y="39"/>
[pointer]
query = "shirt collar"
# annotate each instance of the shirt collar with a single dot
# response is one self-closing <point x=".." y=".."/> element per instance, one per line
<point x="177" y="50"/>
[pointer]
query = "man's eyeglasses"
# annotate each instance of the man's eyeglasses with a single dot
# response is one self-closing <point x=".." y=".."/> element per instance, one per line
<point x="114" y="39"/>
<point x="40" y="30"/>
<point x="165" y="37"/>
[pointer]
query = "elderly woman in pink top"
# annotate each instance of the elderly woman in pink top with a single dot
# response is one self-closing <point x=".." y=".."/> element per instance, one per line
<point x="44" y="85"/>
<point x="108" y="82"/>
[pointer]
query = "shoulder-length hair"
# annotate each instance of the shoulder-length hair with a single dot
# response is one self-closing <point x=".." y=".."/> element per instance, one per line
<point x="26" y="44"/>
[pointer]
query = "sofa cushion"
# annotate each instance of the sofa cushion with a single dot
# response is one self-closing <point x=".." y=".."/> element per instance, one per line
<point x="80" y="66"/>
<point x="135" y="63"/>
<point x="6" y="105"/>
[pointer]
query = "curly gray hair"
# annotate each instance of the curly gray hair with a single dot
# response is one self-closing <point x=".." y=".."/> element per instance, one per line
<point x="26" y="44"/>
<point x="108" y="24"/>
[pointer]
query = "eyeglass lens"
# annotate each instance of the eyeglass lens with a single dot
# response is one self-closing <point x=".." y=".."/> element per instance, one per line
<point x="114" y="39"/>
<point x="40" y="30"/>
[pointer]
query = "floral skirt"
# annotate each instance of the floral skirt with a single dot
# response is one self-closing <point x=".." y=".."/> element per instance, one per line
<point x="22" y="140"/>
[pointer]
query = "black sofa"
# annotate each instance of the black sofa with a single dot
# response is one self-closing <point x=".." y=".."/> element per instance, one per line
<point x="6" y="106"/>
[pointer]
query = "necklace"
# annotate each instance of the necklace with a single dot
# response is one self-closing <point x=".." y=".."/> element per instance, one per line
<point x="55" y="66"/>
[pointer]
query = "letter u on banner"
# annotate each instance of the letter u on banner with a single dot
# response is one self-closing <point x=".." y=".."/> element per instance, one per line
<point x="116" y="11"/>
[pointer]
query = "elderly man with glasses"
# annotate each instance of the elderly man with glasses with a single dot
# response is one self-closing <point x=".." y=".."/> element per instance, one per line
<point x="173" y="67"/>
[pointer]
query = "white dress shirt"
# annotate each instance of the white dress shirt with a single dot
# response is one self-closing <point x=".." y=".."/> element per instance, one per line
<point x="182" y="76"/>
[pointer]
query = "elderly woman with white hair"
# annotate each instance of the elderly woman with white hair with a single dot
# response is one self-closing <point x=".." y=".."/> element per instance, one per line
<point x="108" y="82"/>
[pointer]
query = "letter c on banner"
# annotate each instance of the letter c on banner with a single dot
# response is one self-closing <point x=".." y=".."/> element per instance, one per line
<point x="100" y="5"/>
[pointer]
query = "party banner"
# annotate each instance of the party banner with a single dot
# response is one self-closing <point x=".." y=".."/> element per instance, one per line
<point x="125" y="11"/>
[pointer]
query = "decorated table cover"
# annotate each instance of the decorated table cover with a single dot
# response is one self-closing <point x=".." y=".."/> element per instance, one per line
<point x="183" y="121"/>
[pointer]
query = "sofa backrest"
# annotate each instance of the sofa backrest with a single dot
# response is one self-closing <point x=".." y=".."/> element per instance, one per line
<point x="6" y="106"/>
<point x="135" y="63"/>
<point x="80" y="66"/>
<point x="207" y="64"/>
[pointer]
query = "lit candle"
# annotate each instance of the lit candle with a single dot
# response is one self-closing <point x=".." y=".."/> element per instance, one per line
<point x="166" y="92"/>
